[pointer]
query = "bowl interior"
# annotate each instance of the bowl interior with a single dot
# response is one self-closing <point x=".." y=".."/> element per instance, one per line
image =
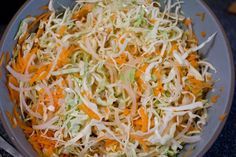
<point x="218" y="53"/>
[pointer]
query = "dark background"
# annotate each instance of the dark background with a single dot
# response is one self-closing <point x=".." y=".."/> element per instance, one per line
<point x="225" y="145"/>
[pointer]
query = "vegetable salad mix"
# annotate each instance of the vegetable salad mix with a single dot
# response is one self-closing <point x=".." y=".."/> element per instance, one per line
<point x="109" y="78"/>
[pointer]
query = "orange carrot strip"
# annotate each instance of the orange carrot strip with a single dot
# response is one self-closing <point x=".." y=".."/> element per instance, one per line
<point x="89" y="112"/>
<point x="109" y="143"/>
<point x="63" y="58"/>
<point x="144" y="117"/>
<point x="38" y="18"/>
<point x="152" y="21"/>
<point x="138" y="122"/>
<point x="41" y="73"/>
<point x="187" y="22"/>
<point x="121" y="59"/>
<point x="39" y="32"/>
<point x="21" y="62"/>
<point x="83" y="12"/>
<point x="142" y="141"/>
<point x="174" y="47"/>
<point x="126" y="111"/>
<point x="141" y="70"/>
<point x="159" y="87"/>
<point x="61" y="31"/>
<point x="22" y="39"/>
<point x="214" y="98"/>
<point x="138" y="74"/>
<point x="203" y="34"/>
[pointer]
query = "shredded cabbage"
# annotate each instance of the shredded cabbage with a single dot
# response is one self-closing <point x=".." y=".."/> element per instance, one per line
<point x="111" y="78"/>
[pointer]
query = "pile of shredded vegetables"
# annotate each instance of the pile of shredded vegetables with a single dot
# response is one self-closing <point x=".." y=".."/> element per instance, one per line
<point x="110" y="78"/>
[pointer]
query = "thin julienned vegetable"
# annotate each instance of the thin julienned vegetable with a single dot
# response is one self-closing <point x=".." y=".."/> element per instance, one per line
<point x="110" y="78"/>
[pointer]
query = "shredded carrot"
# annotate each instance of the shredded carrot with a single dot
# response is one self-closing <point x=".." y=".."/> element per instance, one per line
<point x="138" y="122"/>
<point x="111" y="143"/>
<point x="152" y="21"/>
<point x="132" y="49"/>
<point x="22" y="62"/>
<point x="157" y="52"/>
<point x="214" y="98"/>
<point x="141" y="85"/>
<point x="187" y="22"/>
<point x="193" y="59"/>
<point x="83" y="11"/>
<point x="57" y="95"/>
<point x="159" y="87"/>
<point x="222" y="117"/>
<point x="121" y="59"/>
<point x="144" y="117"/>
<point x="89" y="112"/>
<point x="23" y="38"/>
<point x="18" y="64"/>
<point x="209" y="78"/>
<point x="142" y="141"/>
<point x="107" y="110"/>
<point x="152" y="123"/>
<point x="39" y="32"/>
<point x="203" y="34"/>
<point x="41" y="73"/>
<point x="138" y="74"/>
<point x="126" y="111"/>
<point x="61" y="31"/>
<point x="141" y="70"/>
<point x="38" y="18"/>
<point x="174" y="47"/>
<point x="42" y="143"/>
<point x="64" y="56"/>
<point x="196" y="86"/>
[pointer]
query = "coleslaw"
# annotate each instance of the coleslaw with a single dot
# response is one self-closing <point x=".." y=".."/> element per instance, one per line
<point x="110" y="78"/>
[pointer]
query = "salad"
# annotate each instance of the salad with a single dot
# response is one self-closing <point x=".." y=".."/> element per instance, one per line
<point x="110" y="78"/>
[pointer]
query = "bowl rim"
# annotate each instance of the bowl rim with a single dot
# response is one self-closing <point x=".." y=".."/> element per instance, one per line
<point x="219" y="128"/>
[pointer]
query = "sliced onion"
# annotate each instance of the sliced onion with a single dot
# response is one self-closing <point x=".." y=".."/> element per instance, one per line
<point x="20" y="89"/>
<point x="18" y="76"/>
<point x="27" y="108"/>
